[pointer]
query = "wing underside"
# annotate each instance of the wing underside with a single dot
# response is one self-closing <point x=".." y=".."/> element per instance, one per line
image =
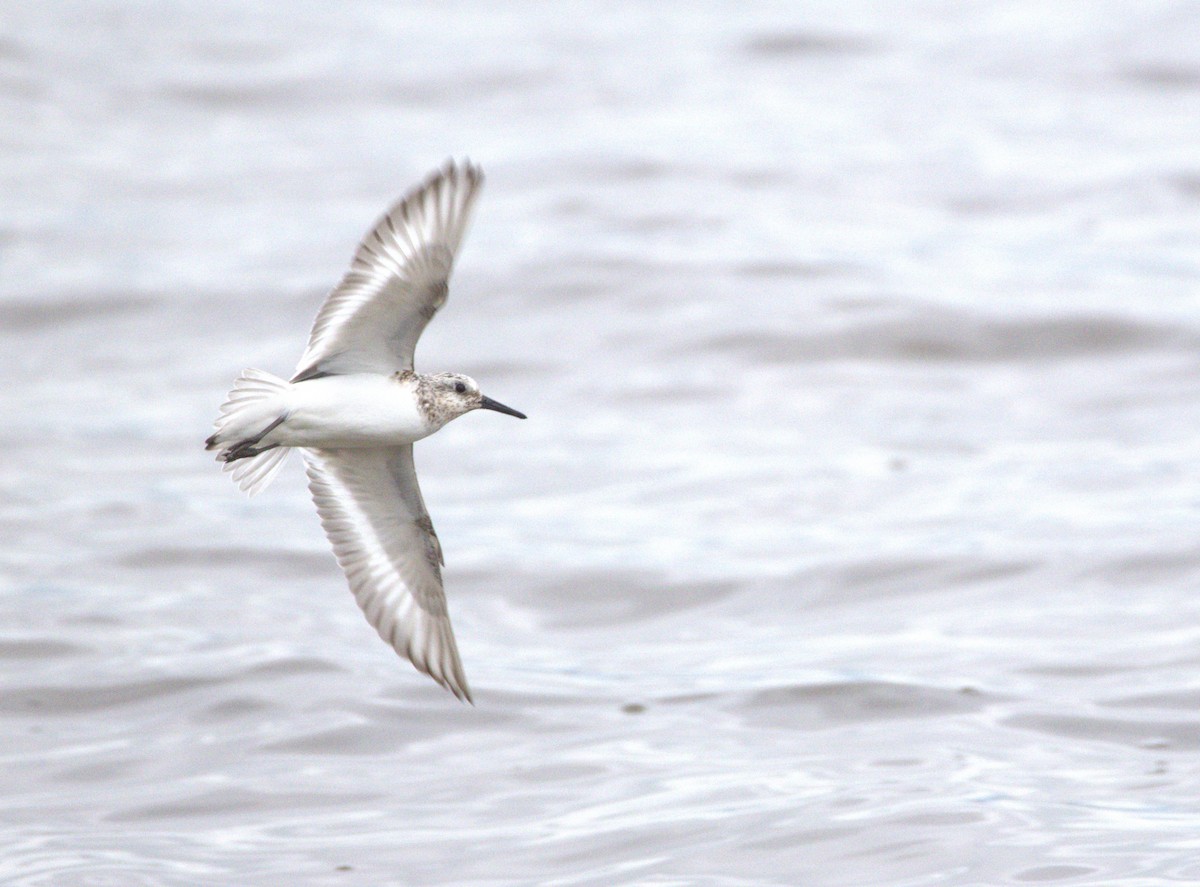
<point x="373" y="514"/>
<point x="397" y="281"/>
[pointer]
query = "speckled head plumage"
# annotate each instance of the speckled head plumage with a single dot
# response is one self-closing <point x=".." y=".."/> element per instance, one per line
<point x="446" y="396"/>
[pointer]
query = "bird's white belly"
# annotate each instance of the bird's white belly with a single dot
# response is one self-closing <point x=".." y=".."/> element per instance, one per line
<point x="359" y="410"/>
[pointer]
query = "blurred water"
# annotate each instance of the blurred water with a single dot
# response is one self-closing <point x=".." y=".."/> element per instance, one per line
<point x="852" y="539"/>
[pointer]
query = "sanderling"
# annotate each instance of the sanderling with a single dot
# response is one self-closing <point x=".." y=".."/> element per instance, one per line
<point x="354" y="407"/>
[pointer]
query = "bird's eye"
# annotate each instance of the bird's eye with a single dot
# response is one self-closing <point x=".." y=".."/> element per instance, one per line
<point x="460" y="387"/>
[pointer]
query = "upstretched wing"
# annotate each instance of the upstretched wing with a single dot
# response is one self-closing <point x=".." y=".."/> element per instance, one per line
<point x="373" y="513"/>
<point x="397" y="281"/>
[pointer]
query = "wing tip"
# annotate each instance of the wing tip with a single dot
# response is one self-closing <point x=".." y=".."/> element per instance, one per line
<point x="441" y="661"/>
<point x="451" y="168"/>
<point x="460" y="690"/>
<point x="457" y="174"/>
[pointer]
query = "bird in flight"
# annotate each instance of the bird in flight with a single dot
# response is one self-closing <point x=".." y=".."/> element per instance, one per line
<point x="354" y="407"/>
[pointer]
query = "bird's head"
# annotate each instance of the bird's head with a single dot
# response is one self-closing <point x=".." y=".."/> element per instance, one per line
<point x="459" y="394"/>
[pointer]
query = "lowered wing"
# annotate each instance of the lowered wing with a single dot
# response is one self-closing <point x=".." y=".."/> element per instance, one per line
<point x="373" y="513"/>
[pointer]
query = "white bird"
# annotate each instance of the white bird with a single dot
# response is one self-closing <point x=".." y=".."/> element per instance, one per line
<point x="355" y="406"/>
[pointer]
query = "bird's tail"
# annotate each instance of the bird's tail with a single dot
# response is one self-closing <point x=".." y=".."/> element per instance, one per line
<point x="255" y="407"/>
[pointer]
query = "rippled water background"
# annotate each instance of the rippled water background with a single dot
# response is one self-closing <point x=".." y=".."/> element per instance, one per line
<point x="853" y="537"/>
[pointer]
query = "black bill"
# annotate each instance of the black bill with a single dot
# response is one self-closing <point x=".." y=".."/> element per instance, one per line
<point x="488" y="404"/>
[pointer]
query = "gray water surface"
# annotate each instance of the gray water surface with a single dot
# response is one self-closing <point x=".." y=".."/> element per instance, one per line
<point x="853" y="537"/>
